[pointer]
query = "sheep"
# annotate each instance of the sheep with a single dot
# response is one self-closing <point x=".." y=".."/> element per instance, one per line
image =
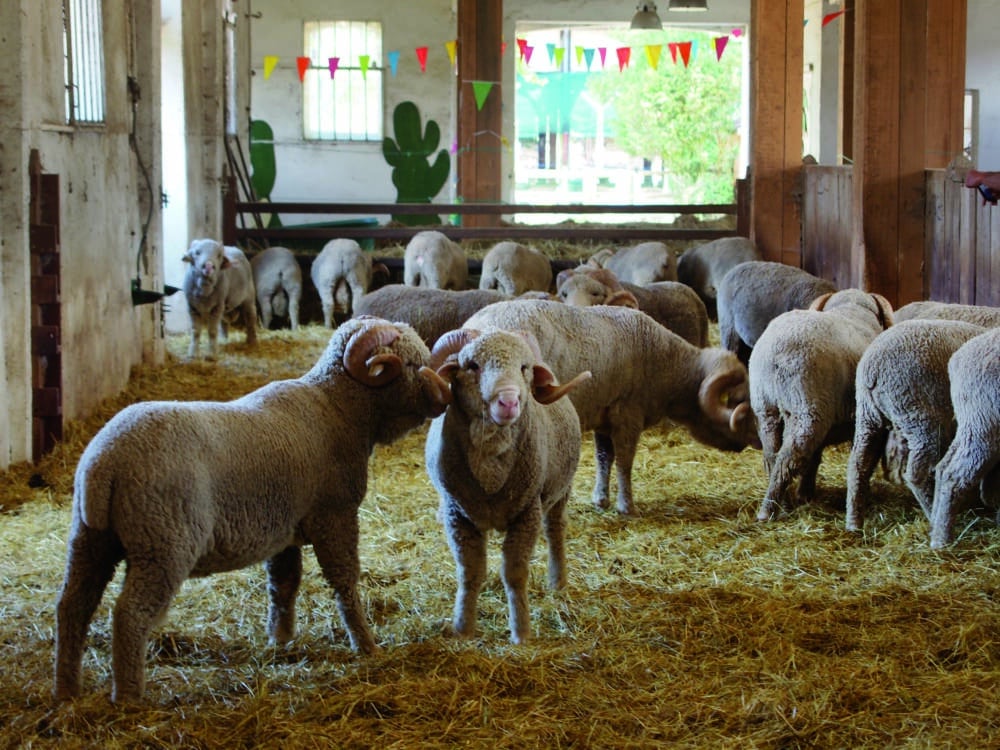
<point x="751" y="294"/>
<point x="802" y="374"/>
<point x="218" y="283"/>
<point x="513" y="269"/>
<point x="502" y="458"/>
<point x="431" y="312"/>
<point x="642" y="374"/>
<point x="277" y="278"/>
<point x="669" y="303"/>
<point x="901" y="387"/>
<point x="640" y="264"/>
<point x="181" y="489"/>
<point x="702" y="267"/>
<point x="342" y="272"/>
<point x="980" y="315"/>
<point x="973" y="458"/>
<point x="432" y="260"/>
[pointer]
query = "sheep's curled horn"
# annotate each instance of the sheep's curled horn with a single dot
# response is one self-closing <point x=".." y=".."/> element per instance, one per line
<point x="450" y="343"/>
<point x="710" y="396"/>
<point x="362" y="365"/>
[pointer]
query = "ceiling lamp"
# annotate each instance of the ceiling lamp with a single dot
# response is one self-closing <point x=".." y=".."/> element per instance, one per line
<point x="645" y="17"/>
<point x="688" y="5"/>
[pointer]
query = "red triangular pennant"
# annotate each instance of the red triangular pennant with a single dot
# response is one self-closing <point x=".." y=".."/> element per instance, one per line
<point x="303" y="63"/>
<point x="624" y="53"/>
<point x="685" y="49"/>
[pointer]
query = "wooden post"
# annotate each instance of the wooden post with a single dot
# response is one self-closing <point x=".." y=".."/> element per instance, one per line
<point x="480" y="38"/>
<point x="776" y="127"/>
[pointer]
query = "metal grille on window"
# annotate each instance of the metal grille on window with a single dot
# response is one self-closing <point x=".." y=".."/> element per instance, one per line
<point x="83" y="47"/>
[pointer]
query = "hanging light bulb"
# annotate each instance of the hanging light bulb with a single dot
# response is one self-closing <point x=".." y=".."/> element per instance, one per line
<point x="688" y="5"/>
<point x="646" y="17"/>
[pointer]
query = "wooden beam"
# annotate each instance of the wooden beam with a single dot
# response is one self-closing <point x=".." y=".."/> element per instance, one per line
<point x="945" y="35"/>
<point x="776" y="127"/>
<point x="480" y="39"/>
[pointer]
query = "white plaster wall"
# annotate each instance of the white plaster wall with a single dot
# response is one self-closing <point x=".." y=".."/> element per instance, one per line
<point x="982" y="71"/>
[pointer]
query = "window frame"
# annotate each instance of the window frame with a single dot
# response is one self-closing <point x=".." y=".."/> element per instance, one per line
<point x="84" y="68"/>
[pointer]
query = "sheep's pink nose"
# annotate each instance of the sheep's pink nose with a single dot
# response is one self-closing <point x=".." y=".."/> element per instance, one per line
<point x="506" y="407"/>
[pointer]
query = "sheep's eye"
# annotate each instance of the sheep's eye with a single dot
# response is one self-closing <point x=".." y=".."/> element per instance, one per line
<point x="524" y="370"/>
<point x="563" y="293"/>
<point x="473" y="366"/>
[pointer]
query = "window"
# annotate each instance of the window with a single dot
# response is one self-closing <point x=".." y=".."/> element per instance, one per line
<point x="83" y="61"/>
<point x="348" y="105"/>
<point x="970" y="124"/>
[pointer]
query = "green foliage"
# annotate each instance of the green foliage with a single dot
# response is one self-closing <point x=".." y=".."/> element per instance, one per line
<point x="417" y="180"/>
<point x="686" y="116"/>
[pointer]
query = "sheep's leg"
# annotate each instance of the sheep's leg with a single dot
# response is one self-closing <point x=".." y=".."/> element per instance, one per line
<point x="328" y="309"/>
<point x="91" y="563"/>
<point x="293" y="309"/>
<point x="213" y="336"/>
<point x="196" y="326"/>
<point x="807" y="482"/>
<point x="518" y="545"/>
<point x="770" y="430"/>
<point x="604" y="457"/>
<point x="337" y="553"/>
<point x="265" y="313"/>
<point x="148" y="589"/>
<point x="250" y="320"/>
<point x="958" y="475"/>
<point x="554" y="526"/>
<point x="923" y="457"/>
<point x="468" y="548"/>
<point x="284" y="574"/>
<point x="866" y="450"/>
<point x="625" y="446"/>
<point x="797" y="453"/>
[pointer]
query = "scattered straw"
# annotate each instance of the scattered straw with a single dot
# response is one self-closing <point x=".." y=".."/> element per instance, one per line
<point x="689" y="626"/>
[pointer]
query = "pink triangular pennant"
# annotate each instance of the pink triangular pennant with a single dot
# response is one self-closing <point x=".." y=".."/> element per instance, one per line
<point x="737" y="33"/>
<point x="270" y="63"/>
<point x="422" y="58"/>
<point x="527" y="54"/>
<point x="603" y="52"/>
<point x="830" y="16"/>
<point x="481" y="89"/>
<point x="624" y="53"/>
<point x="303" y="63"/>
<point x="332" y="63"/>
<point x="653" y="55"/>
<point x="720" y="46"/>
<point x="685" y="49"/>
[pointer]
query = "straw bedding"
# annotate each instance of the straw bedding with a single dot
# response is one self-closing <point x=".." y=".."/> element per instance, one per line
<point x="689" y="626"/>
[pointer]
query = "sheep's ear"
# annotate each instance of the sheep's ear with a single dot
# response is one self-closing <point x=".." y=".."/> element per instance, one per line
<point x="546" y="390"/>
<point x="563" y="276"/>
<point x="820" y="302"/>
<point x="226" y="263"/>
<point x="622" y="299"/>
<point x="187" y="257"/>
<point x="447" y="370"/>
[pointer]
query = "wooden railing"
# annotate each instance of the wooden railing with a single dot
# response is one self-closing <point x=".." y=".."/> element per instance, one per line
<point x="242" y="224"/>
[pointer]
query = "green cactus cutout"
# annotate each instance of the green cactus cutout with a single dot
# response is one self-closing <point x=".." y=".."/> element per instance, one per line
<point x="263" y="164"/>
<point x="416" y="179"/>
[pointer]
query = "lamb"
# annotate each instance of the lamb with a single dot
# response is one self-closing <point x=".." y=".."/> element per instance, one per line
<point x="188" y="489"/>
<point x="980" y="315"/>
<point x="752" y="294"/>
<point x="642" y="374"/>
<point x="277" y="278"/>
<point x="218" y="284"/>
<point x="702" y="267"/>
<point x="640" y="264"/>
<point x="502" y="457"/>
<point x="901" y="387"/>
<point x="669" y="303"/>
<point x="973" y="458"/>
<point x="431" y="312"/>
<point x="434" y="261"/>
<point x="342" y="273"/>
<point x="513" y="269"/>
<point x="802" y="374"/>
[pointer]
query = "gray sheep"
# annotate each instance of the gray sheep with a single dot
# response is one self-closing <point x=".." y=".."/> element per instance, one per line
<point x="434" y="261"/>
<point x="513" y="268"/>
<point x="502" y="457"/>
<point x="642" y="375"/>
<point x="901" y="388"/>
<point x="703" y="266"/>
<point x="973" y="458"/>
<point x="752" y="294"/>
<point x="431" y="312"/>
<point x="980" y="315"/>
<point x="640" y="264"/>
<point x="218" y="284"/>
<point x="342" y="273"/>
<point x="802" y="374"/>
<point x="182" y="489"/>
<point x="669" y="303"/>
<point x="277" y="278"/>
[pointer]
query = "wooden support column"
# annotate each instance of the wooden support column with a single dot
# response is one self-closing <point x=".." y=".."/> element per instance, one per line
<point x="901" y="62"/>
<point x="480" y="36"/>
<point x="776" y="127"/>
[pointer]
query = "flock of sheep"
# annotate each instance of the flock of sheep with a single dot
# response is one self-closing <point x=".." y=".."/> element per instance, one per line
<point x="512" y="374"/>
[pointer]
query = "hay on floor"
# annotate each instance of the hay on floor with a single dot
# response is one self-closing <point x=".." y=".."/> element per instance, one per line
<point x="691" y="625"/>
